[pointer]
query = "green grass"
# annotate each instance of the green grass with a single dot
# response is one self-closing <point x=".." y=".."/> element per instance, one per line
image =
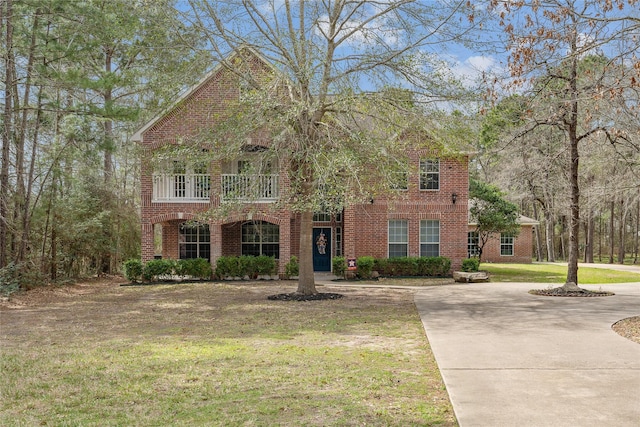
<point x="550" y="273"/>
<point x="219" y="355"/>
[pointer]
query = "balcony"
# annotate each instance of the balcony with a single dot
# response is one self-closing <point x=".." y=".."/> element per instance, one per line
<point x="181" y="188"/>
<point x="196" y="188"/>
<point x="250" y="188"/>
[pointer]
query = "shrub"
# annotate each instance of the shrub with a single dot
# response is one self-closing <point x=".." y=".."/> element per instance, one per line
<point x="10" y="280"/>
<point x="365" y="266"/>
<point x="404" y="266"/>
<point x="382" y="266"/>
<point x="265" y="265"/>
<point x="196" y="267"/>
<point x="227" y="266"/>
<point x="471" y="265"/>
<point x="157" y="268"/>
<point x="434" y="266"/>
<point x="292" y="268"/>
<point x="201" y="268"/>
<point x="133" y="270"/>
<point x="339" y="265"/>
<point x="247" y="266"/>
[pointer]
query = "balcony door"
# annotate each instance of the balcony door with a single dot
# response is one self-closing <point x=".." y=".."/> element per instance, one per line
<point x="322" y="249"/>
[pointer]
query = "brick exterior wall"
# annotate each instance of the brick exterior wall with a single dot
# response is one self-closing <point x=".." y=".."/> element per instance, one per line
<point x="364" y="226"/>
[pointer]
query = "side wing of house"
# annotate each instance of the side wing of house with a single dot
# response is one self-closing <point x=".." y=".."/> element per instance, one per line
<point x="505" y="248"/>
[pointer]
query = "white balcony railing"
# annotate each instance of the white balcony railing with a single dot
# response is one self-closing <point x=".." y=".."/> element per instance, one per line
<point x="197" y="187"/>
<point x="181" y="188"/>
<point x="250" y="187"/>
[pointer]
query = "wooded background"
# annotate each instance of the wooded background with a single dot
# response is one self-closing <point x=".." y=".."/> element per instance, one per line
<point x="81" y="77"/>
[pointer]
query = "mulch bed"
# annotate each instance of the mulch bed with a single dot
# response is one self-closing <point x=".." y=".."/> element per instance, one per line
<point x="294" y="296"/>
<point x="562" y="292"/>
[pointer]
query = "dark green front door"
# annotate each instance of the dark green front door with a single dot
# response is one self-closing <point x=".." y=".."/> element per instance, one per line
<point x="321" y="249"/>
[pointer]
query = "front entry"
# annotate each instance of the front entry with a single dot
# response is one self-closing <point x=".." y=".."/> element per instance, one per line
<point x="321" y="249"/>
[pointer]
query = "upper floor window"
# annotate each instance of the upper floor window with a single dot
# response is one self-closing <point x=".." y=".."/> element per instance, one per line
<point x="429" y="238"/>
<point x="430" y="174"/>
<point x="398" y="238"/>
<point x="506" y="244"/>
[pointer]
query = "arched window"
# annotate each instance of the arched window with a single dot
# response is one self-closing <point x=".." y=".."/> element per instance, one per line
<point x="261" y="238"/>
<point x="194" y="241"/>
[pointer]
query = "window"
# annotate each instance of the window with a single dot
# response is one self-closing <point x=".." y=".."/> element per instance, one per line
<point x="261" y="238"/>
<point x="429" y="238"/>
<point x="506" y="244"/>
<point x="430" y="174"/>
<point x="194" y="241"/>
<point x="322" y="217"/>
<point x="338" y="240"/>
<point x="472" y="244"/>
<point x="179" y="179"/>
<point x="398" y="238"/>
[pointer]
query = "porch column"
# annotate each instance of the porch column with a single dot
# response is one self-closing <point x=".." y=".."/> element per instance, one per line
<point x="349" y="232"/>
<point x="147" y="249"/>
<point x="215" y="234"/>
<point x="285" y="241"/>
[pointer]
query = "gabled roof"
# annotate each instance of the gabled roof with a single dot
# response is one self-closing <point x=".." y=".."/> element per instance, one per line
<point x="137" y="136"/>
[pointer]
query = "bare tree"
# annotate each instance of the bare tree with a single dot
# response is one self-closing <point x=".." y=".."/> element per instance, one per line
<point x="569" y="53"/>
<point x="340" y="60"/>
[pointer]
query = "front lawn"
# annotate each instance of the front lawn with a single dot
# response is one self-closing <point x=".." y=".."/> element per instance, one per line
<point x="217" y="354"/>
<point x="551" y="273"/>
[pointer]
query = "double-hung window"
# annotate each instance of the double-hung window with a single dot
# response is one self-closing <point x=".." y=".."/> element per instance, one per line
<point x="398" y="238"/>
<point x="506" y="244"/>
<point x="429" y="238"/>
<point x="430" y="174"/>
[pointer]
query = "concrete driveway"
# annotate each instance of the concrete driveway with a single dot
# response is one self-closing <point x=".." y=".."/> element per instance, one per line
<point x="509" y="358"/>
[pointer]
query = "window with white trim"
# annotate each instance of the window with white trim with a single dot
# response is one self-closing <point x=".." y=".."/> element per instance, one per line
<point x="429" y="238"/>
<point x="261" y="238"/>
<point x="473" y="241"/>
<point x="398" y="238"/>
<point x="338" y="240"/>
<point x="506" y="244"/>
<point x="194" y="241"/>
<point x="430" y="174"/>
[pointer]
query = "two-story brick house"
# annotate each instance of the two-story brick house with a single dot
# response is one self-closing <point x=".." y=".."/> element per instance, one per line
<point x="429" y="218"/>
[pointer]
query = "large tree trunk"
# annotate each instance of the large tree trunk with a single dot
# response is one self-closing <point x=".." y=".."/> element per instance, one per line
<point x="107" y="203"/>
<point x="306" y="278"/>
<point x="574" y="156"/>
<point x="7" y="17"/>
